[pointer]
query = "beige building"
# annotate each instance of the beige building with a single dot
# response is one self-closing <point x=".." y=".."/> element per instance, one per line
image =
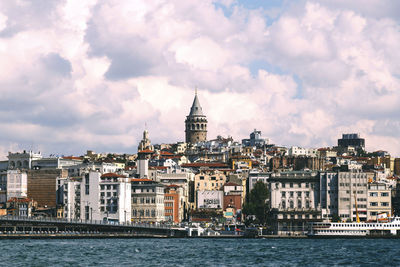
<point x="147" y="201"/>
<point x="379" y="200"/>
<point x="209" y="180"/>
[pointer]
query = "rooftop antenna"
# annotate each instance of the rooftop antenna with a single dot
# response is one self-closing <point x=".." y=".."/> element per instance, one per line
<point x="195" y="90"/>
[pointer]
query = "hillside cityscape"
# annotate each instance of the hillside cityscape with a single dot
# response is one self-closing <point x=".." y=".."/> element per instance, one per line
<point x="212" y="183"/>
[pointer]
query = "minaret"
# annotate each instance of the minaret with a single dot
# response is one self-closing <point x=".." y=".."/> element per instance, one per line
<point x="196" y="123"/>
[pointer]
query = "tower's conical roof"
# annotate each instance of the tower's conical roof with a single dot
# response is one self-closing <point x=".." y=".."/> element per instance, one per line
<point x="196" y="109"/>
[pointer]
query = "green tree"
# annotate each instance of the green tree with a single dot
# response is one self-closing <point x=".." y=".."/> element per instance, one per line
<point x="257" y="203"/>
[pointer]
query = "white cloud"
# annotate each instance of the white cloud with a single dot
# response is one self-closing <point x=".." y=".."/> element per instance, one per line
<point x="80" y="75"/>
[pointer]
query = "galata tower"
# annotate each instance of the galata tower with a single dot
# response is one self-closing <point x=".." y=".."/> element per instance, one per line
<point x="196" y="123"/>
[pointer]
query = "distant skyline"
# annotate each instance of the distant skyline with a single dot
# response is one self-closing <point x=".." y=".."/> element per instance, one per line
<point x="88" y="75"/>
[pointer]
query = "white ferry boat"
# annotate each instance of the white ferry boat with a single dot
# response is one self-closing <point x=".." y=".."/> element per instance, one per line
<point x="354" y="229"/>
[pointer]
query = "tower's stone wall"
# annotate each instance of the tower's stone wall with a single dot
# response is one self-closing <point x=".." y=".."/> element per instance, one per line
<point x="196" y="124"/>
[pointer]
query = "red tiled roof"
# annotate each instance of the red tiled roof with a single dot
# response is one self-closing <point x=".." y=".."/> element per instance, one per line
<point x="110" y="174"/>
<point x="170" y="156"/>
<point x="165" y="153"/>
<point x="173" y="185"/>
<point x="146" y="151"/>
<point x="20" y="200"/>
<point x="231" y="184"/>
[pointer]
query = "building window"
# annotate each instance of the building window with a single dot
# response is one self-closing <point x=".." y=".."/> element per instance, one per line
<point x="283" y="193"/>
<point x="291" y="204"/>
<point x="291" y="194"/>
<point x="291" y="185"/>
<point x="283" y="185"/>
<point x="385" y="204"/>
<point x="384" y="194"/>
<point x="373" y="194"/>
<point x="299" y="204"/>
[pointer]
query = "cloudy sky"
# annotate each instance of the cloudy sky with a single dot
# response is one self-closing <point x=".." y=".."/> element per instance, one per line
<point x="78" y="75"/>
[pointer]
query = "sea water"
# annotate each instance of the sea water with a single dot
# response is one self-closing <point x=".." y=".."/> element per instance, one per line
<point x="200" y="252"/>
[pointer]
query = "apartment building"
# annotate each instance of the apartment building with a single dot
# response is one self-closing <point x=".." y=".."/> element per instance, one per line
<point x="147" y="200"/>
<point x="209" y="180"/>
<point x="379" y="200"/>
<point x="294" y="200"/>
<point x="96" y="196"/>
<point x="174" y="204"/>
<point x="352" y="189"/>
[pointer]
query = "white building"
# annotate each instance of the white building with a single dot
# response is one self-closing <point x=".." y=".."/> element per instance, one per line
<point x="13" y="184"/>
<point x="299" y="151"/>
<point x="99" y="197"/>
<point x="56" y="162"/>
<point x="294" y="199"/>
<point x="17" y="184"/>
<point x="69" y="197"/>
<point x="210" y="199"/>
<point x="22" y="160"/>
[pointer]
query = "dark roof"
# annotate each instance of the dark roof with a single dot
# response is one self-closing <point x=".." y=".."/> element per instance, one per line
<point x="110" y="174"/>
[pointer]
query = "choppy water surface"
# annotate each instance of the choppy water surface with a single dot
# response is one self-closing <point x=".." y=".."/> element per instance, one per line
<point x="201" y="252"/>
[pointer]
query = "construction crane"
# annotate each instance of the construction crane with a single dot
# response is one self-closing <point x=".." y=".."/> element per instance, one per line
<point x="355" y="200"/>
